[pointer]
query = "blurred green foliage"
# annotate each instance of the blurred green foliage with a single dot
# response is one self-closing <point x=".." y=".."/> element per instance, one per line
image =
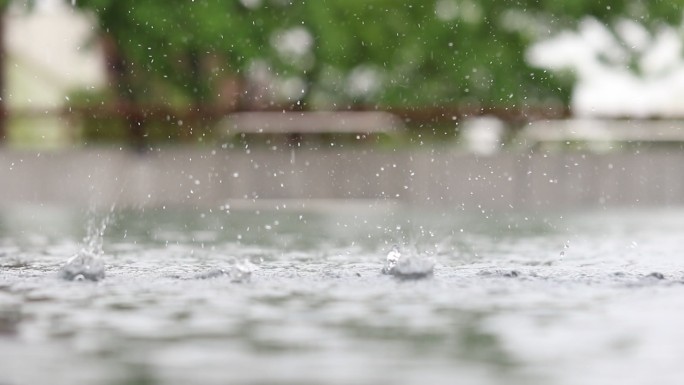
<point x="401" y="53"/>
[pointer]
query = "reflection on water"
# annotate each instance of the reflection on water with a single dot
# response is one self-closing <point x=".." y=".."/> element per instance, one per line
<point x="588" y="298"/>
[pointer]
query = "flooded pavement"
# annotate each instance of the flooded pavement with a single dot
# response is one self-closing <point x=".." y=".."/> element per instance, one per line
<point x="298" y="296"/>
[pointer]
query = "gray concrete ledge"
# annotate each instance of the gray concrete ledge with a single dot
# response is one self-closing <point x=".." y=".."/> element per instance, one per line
<point x="438" y="176"/>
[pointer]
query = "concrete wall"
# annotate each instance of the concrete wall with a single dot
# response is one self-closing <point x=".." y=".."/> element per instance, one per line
<point x="212" y="177"/>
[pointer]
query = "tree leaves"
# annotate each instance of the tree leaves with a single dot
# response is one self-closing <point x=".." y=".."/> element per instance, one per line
<point x="424" y="52"/>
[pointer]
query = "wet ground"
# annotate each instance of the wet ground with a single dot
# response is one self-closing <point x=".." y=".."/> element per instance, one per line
<point x="527" y="298"/>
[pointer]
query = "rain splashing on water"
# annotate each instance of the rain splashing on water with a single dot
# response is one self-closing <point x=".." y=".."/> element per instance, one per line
<point x="87" y="264"/>
<point x="566" y="246"/>
<point x="408" y="266"/>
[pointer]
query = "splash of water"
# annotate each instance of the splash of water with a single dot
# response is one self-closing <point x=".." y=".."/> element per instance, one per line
<point x="566" y="246"/>
<point x="87" y="264"/>
<point x="392" y="259"/>
<point x="83" y="266"/>
<point x="95" y="234"/>
<point x="240" y="272"/>
<point x="407" y="266"/>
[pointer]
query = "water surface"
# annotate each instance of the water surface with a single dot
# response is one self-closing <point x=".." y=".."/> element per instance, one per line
<point x="554" y="298"/>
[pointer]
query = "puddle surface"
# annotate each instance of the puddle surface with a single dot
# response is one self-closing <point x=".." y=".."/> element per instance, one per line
<point x="287" y="296"/>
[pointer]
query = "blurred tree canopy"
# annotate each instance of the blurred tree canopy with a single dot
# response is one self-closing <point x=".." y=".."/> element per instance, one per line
<point x="327" y="53"/>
